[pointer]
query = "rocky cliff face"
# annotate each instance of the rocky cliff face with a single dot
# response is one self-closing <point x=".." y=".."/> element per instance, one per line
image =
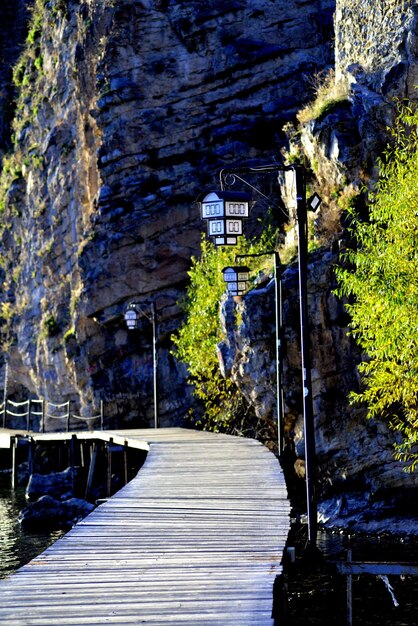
<point x="125" y="109"/>
<point x="377" y="61"/>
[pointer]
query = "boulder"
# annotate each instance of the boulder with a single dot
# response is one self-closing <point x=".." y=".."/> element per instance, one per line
<point x="49" y="513"/>
<point x="56" y="484"/>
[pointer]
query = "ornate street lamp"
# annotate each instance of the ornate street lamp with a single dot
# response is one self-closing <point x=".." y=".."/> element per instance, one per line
<point x="224" y="212"/>
<point x="236" y="279"/>
<point x="132" y="316"/>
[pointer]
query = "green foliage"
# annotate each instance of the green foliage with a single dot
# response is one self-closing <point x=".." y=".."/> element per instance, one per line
<point x="39" y="63"/>
<point x="197" y="339"/>
<point x="51" y="326"/>
<point x="69" y="334"/>
<point x="35" y="29"/>
<point x="383" y="286"/>
<point x="6" y="311"/>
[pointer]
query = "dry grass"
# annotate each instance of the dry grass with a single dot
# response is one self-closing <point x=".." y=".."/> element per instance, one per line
<point x="328" y="93"/>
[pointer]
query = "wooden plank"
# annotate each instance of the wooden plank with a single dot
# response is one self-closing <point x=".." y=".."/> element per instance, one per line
<point x="195" y="538"/>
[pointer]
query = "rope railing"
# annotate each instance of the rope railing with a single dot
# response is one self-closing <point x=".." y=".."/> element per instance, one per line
<point x="47" y="411"/>
<point x="90" y="418"/>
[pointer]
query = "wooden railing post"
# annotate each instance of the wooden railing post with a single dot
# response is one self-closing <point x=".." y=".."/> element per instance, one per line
<point x="109" y="466"/>
<point x="68" y="416"/>
<point x="93" y="457"/>
<point x="14" y="462"/>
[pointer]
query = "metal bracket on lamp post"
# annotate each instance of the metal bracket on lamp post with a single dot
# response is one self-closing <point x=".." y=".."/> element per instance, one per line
<point x="308" y="418"/>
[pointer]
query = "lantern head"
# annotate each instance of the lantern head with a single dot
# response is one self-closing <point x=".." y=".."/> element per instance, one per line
<point x="131" y="318"/>
<point x="236" y="279"/>
<point x="224" y="211"/>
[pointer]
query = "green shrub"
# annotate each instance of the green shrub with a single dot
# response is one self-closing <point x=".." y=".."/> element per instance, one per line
<point x="382" y="284"/>
<point x="196" y="341"/>
<point x="52" y="327"/>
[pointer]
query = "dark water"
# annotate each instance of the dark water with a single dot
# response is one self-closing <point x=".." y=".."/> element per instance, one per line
<point x="319" y="597"/>
<point x="18" y="547"/>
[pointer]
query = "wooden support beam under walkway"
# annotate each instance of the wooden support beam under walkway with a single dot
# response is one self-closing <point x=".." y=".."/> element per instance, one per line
<point x="196" y="538"/>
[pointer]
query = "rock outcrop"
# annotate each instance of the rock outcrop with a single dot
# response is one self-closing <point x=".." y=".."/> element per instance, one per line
<point x="376" y="67"/>
<point x="48" y="513"/>
<point x="14" y="19"/>
<point x="57" y="484"/>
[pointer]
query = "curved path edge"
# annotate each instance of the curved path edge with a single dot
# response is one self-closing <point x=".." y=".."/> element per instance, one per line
<point x="196" y="538"/>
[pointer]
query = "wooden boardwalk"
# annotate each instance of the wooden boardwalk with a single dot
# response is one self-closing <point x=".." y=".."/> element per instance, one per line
<point x="196" y="538"/>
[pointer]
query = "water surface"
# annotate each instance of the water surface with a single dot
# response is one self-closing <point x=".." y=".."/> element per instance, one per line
<point x="18" y="546"/>
<point x="319" y="598"/>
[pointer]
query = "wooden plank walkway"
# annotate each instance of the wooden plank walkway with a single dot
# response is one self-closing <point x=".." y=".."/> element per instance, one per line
<point x="196" y="538"/>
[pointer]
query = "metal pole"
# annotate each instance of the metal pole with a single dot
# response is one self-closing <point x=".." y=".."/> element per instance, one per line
<point x="301" y="209"/>
<point x="301" y="214"/>
<point x="6" y="382"/>
<point x="279" y="327"/>
<point x="349" y="592"/>
<point x="154" y="361"/>
<point x="14" y="461"/>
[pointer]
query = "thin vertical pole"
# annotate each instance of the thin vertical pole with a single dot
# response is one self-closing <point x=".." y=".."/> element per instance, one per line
<point x="154" y="361"/>
<point x="109" y="466"/>
<point x="6" y="382"/>
<point x="349" y="592"/>
<point x="73" y="443"/>
<point x="279" y="326"/>
<point x="125" y="462"/>
<point x="68" y="416"/>
<point x="82" y="455"/>
<point x="101" y="414"/>
<point x="306" y="361"/>
<point x="14" y="462"/>
<point x="31" y="455"/>
<point x="93" y="458"/>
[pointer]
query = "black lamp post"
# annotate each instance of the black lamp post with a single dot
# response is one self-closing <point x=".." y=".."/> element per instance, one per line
<point x="299" y="175"/>
<point x="132" y="316"/>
